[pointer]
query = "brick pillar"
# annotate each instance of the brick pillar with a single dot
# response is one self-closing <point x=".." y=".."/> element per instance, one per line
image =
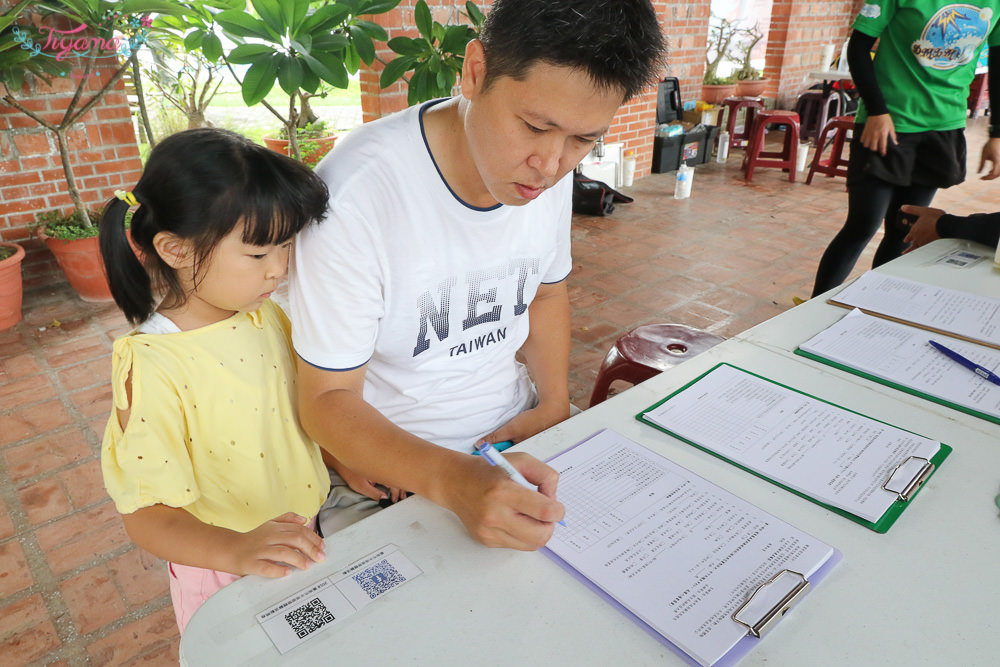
<point x="102" y="148"/>
<point x="797" y="34"/>
<point x="685" y="26"/>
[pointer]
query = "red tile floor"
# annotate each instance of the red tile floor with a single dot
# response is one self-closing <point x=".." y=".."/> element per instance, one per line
<point x="74" y="590"/>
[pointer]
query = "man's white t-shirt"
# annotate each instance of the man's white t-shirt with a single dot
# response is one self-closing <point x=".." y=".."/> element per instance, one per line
<point x="430" y="292"/>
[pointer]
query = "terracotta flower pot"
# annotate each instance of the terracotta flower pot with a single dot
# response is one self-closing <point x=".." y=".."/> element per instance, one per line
<point x="713" y="94"/>
<point x="312" y="150"/>
<point x="80" y="260"/>
<point x="750" y="87"/>
<point x="10" y="287"/>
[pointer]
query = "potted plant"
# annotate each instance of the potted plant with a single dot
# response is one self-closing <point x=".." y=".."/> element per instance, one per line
<point x="435" y="57"/>
<point x="74" y="245"/>
<point x="105" y="23"/>
<point x="721" y="34"/>
<point x="314" y="141"/>
<point x="11" y="255"/>
<point x="297" y="46"/>
<point x="749" y="81"/>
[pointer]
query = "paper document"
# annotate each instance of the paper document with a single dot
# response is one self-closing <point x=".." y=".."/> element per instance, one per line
<point x="676" y="551"/>
<point x="900" y="354"/>
<point x="950" y="311"/>
<point x="823" y="451"/>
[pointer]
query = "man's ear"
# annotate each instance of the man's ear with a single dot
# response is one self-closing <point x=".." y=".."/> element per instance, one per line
<point x="173" y="250"/>
<point x="473" y="69"/>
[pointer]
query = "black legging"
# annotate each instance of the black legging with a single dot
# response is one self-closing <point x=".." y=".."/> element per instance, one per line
<point x="869" y="202"/>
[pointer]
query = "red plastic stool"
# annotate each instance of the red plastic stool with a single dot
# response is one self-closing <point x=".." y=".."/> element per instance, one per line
<point x="647" y="351"/>
<point x="756" y="156"/>
<point x="734" y="104"/>
<point x="836" y="164"/>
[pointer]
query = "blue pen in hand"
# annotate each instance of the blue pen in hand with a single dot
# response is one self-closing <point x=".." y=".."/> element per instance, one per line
<point x="495" y="458"/>
<point x="984" y="373"/>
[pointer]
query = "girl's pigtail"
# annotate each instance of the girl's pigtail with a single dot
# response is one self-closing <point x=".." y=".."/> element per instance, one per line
<point x="130" y="284"/>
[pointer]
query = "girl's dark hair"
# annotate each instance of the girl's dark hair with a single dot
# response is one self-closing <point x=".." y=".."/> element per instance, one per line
<point x="198" y="185"/>
<point x="617" y="42"/>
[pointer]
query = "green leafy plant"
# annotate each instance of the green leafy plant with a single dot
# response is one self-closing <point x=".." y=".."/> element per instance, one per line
<point x="435" y="57"/>
<point x="6" y="251"/>
<point x="70" y="225"/>
<point x="103" y="19"/>
<point x="294" y="44"/>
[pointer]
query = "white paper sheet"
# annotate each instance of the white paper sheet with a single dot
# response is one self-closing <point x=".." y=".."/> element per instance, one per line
<point x="948" y="310"/>
<point x="900" y="354"/>
<point x="828" y="453"/>
<point x="675" y="550"/>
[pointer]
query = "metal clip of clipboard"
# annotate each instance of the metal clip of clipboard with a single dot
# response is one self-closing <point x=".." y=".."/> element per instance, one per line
<point x="770" y="601"/>
<point x="915" y="481"/>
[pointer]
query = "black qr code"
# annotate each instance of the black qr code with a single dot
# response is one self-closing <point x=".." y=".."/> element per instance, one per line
<point x="379" y="578"/>
<point x="308" y="618"/>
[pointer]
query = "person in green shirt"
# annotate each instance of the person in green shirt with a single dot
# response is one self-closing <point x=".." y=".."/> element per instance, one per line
<point x="909" y="137"/>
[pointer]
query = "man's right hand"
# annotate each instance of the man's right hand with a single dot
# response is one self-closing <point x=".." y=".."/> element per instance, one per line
<point x="497" y="511"/>
<point x="924" y="228"/>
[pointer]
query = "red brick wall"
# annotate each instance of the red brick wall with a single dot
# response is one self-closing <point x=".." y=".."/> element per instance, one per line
<point x="102" y="148"/>
<point x="685" y="26"/>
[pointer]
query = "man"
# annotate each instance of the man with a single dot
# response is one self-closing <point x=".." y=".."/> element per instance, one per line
<point x="446" y="252"/>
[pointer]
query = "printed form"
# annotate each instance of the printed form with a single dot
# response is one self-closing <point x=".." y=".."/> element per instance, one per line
<point x="951" y="311"/>
<point x="901" y="354"/>
<point x="678" y="552"/>
<point x="826" y="452"/>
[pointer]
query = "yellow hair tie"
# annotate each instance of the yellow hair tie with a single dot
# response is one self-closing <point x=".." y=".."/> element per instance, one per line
<point x="126" y="197"/>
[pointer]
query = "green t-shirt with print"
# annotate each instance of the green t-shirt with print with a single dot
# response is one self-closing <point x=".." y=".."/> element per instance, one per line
<point x="926" y="57"/>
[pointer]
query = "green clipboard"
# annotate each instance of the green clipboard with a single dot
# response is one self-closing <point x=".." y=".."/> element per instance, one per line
<point x="887" y="519"/>
<point x="900" y="387"/>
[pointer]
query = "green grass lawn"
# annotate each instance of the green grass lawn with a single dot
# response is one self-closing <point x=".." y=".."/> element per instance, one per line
<point x="229" y="95"/>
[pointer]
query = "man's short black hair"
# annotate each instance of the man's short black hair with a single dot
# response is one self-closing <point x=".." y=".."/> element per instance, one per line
<point x="617" y="42"/>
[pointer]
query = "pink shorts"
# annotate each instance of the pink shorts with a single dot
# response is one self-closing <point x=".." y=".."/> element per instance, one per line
<point x="190" y="586"/>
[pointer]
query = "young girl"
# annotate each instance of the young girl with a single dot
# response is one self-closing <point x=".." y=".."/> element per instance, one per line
<point x="203" y="453"/>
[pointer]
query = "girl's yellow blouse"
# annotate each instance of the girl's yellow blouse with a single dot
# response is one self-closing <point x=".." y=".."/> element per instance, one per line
<point x="213" y="425"/>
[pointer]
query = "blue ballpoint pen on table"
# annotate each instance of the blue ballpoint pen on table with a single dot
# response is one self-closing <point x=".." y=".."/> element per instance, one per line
<point x="495" y="458"/>
<point x="984" y="373"/>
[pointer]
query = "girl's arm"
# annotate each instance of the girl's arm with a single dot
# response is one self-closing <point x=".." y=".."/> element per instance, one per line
<point x="270" y="550"/>
<point x="879" y="128"/>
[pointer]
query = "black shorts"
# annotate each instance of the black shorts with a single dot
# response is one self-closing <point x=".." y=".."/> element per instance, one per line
<point x="928" y="159"/>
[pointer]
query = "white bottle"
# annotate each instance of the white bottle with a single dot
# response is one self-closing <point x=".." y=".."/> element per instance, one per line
<point x="722" y="153"/>
<point x="682" y="188"/>
<point x="628" y="169"/>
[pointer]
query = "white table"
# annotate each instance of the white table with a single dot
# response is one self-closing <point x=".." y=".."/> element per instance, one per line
<point x="922" y="594"/>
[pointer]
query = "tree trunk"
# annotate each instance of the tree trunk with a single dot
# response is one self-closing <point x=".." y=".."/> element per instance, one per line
<point x="197" y="119"/>
<point x="141" y="99"/>
<point x="70" y="181"/>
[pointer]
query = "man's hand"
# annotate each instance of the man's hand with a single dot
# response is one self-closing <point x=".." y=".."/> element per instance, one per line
<point x="991" y="154"/>
<point x="924" y="229"/>
<point x="498" y="512"/>
<point x="879" y="131"/>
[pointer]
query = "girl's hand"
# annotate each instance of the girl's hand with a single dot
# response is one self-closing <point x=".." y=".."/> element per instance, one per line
<point x="275" y="547"/>
<point x="879" y="131"/>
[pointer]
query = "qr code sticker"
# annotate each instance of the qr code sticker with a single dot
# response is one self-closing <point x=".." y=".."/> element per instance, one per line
<point x="379" y="578"/>
<point x="308" y="618"/>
